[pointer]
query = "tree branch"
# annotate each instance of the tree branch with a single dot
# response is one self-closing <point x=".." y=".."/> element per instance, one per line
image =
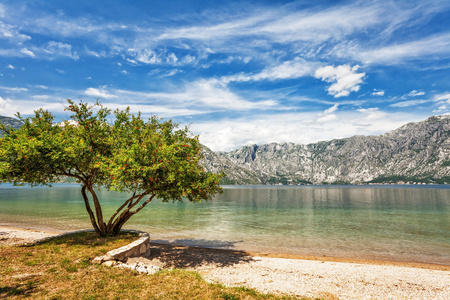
<point x="125" y="213"/>
<point x="129" y="201"/>
<point x="143" y="204"/>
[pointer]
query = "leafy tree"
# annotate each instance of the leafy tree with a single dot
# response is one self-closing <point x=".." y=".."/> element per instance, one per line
<point x="147" y="159"/>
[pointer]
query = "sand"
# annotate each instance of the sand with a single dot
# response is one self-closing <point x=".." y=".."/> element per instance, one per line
<point x="17" y="236"/>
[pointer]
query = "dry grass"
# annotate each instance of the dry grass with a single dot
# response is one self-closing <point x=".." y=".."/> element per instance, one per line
<point x="61" y="268"/>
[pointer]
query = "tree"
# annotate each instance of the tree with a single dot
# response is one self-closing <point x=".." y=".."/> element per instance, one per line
<point x="148" y="159"/>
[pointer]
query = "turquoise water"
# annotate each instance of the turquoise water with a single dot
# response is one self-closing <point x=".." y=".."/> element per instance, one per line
<point x="403" y="223"/>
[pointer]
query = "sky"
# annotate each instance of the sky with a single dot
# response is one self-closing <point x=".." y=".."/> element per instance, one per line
<point x="236" y="72"/>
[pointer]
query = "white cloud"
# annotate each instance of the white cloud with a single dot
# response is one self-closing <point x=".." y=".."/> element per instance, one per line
<point x="27" y="52"/>
<point x="40" y="86"/>
<point x="171" y="73"/>
<point x="100" y="93"/>
<point x="13" y="89"/>
<point x="172" y="58"/>
<point x="441" y="97"/>
<point x="27" y="107"/>
<point x="7" y="108"/>
<point x="443" y="100"/>
<point x="377" y="92"/>
<point x="328" y="114"/>
<point x="203" y="96"/>
<point x="327" y="118"/>
<point x="429" y="48"/>
<point x="345" y="79"/>
<point x="160" y="110"/>
<point x="415" y="93"/>
<point x="41" y="97"/>
<point x="12" y="33"/>
<point x="287" y="70"/>
<point x="95" y="53"/>
<point x="214" y="93"/>
<point x="60" y="49"/>
<point x="10" y="67"/>
<point x="322" y="25"/>
<point x="146" y="56"/>
<point x="441" y="109"/>
<point x="331" y="109"/>
<point x="409" y="103"/>
<point x="188" y="59"/>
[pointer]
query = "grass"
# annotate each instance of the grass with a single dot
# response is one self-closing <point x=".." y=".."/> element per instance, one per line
<point x="61" y="268"/>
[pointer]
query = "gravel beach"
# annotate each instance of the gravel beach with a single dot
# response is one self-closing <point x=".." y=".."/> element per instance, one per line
<point x="312" y="278"/>
<point x="329" y="279"/>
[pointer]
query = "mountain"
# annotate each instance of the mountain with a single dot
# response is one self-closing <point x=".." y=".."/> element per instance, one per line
<point x="14" y="123"/>
<point x="415" y="152"/>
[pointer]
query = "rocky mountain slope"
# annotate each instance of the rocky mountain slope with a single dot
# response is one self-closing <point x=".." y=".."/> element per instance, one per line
<point x="415" y="152"/>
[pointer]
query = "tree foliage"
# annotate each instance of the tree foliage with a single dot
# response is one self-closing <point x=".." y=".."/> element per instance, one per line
<point x="147" y="159"/>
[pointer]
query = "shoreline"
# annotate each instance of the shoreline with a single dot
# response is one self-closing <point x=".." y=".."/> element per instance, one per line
<point x="27" y="234"/>
<point x="284" y="274"/>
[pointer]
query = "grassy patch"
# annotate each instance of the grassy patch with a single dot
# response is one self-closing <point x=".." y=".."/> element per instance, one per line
<point x="61" y="269"/>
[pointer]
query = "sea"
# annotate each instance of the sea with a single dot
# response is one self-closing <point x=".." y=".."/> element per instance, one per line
<point x="404" y="223"/>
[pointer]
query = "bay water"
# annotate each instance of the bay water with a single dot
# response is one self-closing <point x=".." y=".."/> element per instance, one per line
<point x="389" y="222"/>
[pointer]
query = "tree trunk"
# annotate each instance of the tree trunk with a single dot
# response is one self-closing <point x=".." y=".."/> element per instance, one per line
<point x="89" y="210"/>
<point x="113" y="227"/>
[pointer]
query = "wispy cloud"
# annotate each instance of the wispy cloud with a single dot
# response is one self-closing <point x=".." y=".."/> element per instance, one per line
<point x="377" y="92"/>
<point x="201" y="95"/>
<point x="99" y="92"/>
<point x="429" y="48"/>
<point x="60" y="49"/>
<point x="287" y="70"/>
<point x="13" y="89"/>
<point x="409" y="103"/>
<point x="415" y="93"/>
<point x="443" y="97"/>
<point x="12" y="34"/>
<point x="27" y="52"/>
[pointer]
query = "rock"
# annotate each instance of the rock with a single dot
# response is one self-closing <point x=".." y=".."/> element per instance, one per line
<point x="110" y="263"/>
<point x="98" y="260"/>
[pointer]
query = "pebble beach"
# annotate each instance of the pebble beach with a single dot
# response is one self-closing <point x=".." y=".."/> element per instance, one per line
<point x="329" y="279"/>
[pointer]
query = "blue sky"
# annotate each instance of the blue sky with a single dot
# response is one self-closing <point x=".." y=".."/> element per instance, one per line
<point x="236" y="72"/>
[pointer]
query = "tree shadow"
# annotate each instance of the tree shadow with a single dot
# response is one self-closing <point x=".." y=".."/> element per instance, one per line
<point x="18" y="290"/>
<point x="82" y="238"/>
<point x="182" y="253"/>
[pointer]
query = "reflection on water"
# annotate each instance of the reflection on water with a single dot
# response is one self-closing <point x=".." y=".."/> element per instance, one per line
<point x="389" y="222"/>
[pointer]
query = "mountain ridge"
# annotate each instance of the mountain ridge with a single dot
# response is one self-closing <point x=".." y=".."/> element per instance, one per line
<point x="415" y="152"/>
